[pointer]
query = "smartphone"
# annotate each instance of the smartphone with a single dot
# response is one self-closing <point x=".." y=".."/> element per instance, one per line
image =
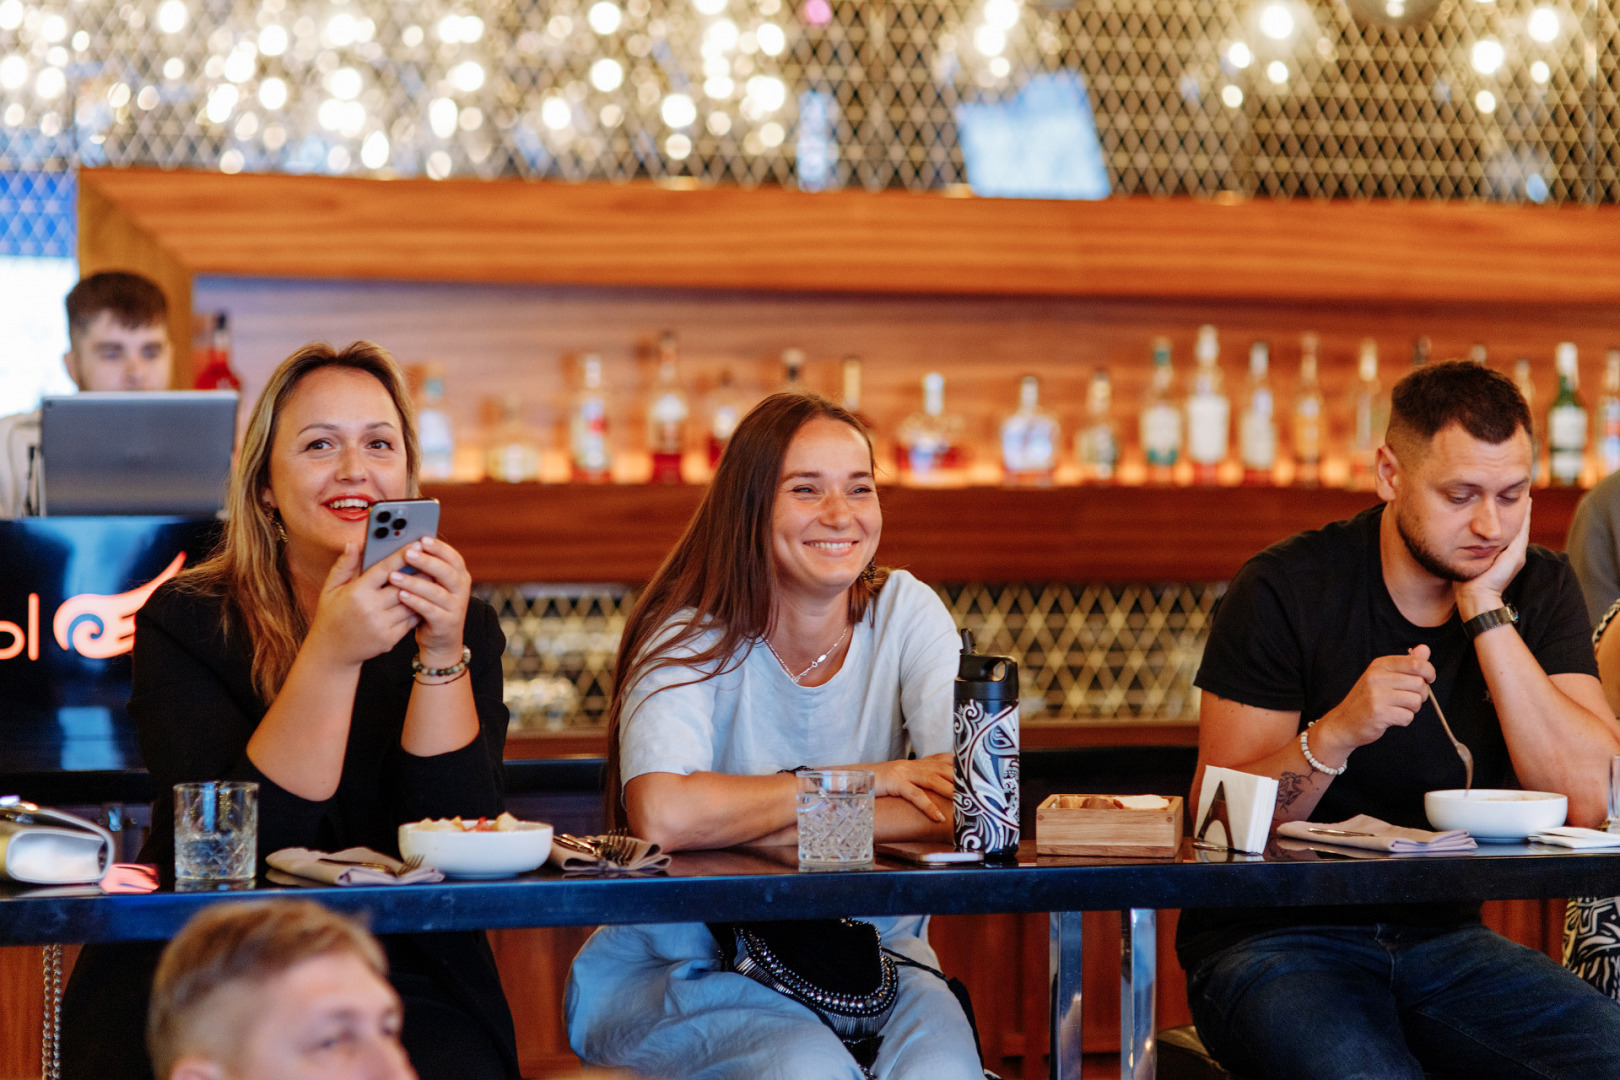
<point x="923" y="853"/>
<point x="394" y="524"/>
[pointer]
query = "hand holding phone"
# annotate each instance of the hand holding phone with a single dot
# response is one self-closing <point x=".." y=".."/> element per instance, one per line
<point x="396" y="523"/>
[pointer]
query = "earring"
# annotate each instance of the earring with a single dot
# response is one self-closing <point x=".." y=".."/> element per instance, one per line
<point x="869" y="575"/>
<point x="275" y="519"/>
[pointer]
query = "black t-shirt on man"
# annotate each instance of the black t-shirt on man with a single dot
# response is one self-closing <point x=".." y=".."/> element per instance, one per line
<point x="1297" y="628"/>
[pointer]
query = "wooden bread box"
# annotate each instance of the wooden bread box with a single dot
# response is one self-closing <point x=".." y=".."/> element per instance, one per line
<point x="1099" y="825"/>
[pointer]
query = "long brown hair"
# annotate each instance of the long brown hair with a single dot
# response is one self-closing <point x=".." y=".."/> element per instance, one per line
<point x="719" y="576"/>
<point x="249" y="567"/>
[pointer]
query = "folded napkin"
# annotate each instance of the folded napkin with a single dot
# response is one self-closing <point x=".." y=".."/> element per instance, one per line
<point x="307" y="864"/>
<point x="1572" y="836"/>
<point x="644" y="856"/>
<point x="1370" y="834"/>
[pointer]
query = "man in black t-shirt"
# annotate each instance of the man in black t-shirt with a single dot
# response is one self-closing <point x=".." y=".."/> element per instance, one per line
<point x="1319" y="664"/>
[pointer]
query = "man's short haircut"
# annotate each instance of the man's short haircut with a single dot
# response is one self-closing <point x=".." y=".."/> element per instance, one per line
<point x="1485" y="402"/>
<point x="130" y="299"/>
<point x="229" y="944"/>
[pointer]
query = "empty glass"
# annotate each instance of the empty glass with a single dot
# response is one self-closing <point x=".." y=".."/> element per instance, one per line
<point x="216" y="833"/>
<point x="835" y="819"/>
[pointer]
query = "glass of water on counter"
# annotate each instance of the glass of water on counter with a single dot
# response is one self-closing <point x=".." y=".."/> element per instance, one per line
<point x="216" y="834"/>
<point x="835" y="819"/>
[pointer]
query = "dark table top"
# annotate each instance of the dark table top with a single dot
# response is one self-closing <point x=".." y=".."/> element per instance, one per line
<point x="765" y="883"/>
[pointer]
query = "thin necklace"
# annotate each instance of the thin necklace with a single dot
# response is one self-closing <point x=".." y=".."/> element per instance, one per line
<point x="817" y="662"/>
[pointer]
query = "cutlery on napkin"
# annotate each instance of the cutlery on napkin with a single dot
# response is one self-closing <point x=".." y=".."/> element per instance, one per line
<point x="577" y="854"/>
<point x="1371" y="834"/>
<point x="344" y="867"/>
<point x="1571" y="836"/>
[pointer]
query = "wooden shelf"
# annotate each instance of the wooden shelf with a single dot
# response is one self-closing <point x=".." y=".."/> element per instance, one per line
<point x="620" y="533"/>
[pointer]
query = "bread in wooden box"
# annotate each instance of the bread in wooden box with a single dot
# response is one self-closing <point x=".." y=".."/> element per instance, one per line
<point x="1109" y="825"/>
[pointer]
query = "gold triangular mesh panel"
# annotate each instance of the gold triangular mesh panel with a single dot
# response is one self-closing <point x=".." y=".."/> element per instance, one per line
<point x="1085" y="652"/>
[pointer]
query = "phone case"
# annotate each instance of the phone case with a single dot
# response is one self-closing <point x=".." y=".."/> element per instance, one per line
<point x="394" y="524"/>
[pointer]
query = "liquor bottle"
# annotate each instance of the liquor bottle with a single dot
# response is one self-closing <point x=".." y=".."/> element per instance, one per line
<point x="1161" y="420"/>
<point x="666" y="415"/>
<point x="1029" y="439"/>
<point x="588" y="426"/>
<point x="1209" y="412"/>
<point x="852" y="391"/>
<point x="1421" y="348"/>
<point x="1308" y="417"/>
<point x="1566" y="422"/>
<point x="1525" y="381"/>
<point x="1257" y="428"/>
<point x="511" y="455"/>
<point x="792" y="369"/>
<point x="1372" y="417"/>
<point x="726" y="408"/>
<point x="216" y="373"/>
<point x="1476" y="353"/>
<point x="1608" y="416"/>
<point x="929" y="449"/>
<point x="1096" y="444"/>
<point x="435" y="434"/>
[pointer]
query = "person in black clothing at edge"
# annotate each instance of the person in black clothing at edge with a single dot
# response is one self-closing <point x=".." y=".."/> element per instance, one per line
<point x="279" y="660"/>
<point x="1318" y="665"/>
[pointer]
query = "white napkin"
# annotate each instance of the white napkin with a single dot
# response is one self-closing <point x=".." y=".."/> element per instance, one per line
<point x="1371" y="834"/>
<point x="307" y="864"/>
<point x="647" y="858"/>
<point x="1572" y="836"/>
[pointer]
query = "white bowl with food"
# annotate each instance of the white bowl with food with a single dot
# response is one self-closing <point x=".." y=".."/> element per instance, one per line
<point x="1496" y="814"/>
<point x="477" y="847"/>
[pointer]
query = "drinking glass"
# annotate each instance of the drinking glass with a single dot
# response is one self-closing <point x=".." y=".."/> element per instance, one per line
<point x="835" y="819"/>
<point x="1613" y="824"/>
<point x="216" y="833"/>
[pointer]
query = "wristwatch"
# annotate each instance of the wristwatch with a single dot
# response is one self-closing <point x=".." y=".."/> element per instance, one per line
<point x="1506" y="615"/>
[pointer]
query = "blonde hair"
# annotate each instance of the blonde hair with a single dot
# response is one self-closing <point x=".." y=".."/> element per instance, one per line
<point x="234" y="943"/>
<point x="248" y="567"/>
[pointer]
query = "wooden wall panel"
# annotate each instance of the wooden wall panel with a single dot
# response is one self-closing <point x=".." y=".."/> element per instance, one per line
<point x="891" y="242"/>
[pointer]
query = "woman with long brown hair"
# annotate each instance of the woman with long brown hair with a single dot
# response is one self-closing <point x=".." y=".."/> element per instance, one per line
<point x="357" y="698"/>
<point x="766" y="642"/>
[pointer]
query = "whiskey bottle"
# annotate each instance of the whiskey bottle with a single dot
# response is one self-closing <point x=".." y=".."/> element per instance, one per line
<point x="1029" y="439"/>
<point x="435" y="434"/>
<point x="852" y="392"/>
<point x="1161" y="420"/>
<point x="1608" y="416"/>
<point x="1566" y="422"/>
<point x="666" y="415"/>
<point x="726" y="407"/>
<point x="1308" y="417"/>
<point x="1209" y="411"/>
<point x="1372" y="418"/>
<point x="1096" y="444"/>
<point x="511" y="455"/>
<point x="1525" y="381"/>
<point x="592" y="462"/>
<point x="1257" y="428"/>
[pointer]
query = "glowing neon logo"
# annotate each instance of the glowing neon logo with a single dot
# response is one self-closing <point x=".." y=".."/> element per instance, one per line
<point x="104" y="626"/>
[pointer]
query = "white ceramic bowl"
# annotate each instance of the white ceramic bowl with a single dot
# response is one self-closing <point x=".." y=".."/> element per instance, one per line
<point x="479" y="854"/>
<point x="1494" y="814"/>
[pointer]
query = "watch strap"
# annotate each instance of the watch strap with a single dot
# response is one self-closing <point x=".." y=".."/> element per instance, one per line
<point x="1490" y="620"/>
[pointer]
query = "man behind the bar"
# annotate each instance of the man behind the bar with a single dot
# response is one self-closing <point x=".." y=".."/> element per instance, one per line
<point x="118" y="339"/>
<point x="1339" y="634"/>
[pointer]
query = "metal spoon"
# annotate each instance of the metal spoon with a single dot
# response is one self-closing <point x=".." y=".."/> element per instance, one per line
<point x="1462" y="751"/>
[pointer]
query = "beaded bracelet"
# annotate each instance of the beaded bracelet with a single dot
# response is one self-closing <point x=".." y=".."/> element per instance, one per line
<point x="1305" y="748"/>
<point x="439" y="673"/>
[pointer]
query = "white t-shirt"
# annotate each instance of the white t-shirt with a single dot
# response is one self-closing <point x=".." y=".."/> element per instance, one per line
<point x="19" y="455"/>
<point x="893" y="692"/>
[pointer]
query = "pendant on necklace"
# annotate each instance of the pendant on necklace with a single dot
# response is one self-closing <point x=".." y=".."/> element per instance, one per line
<point x="817" y="662"/>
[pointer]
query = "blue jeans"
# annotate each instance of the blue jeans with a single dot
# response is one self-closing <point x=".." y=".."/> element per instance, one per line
<point x="1390" y="1002"/>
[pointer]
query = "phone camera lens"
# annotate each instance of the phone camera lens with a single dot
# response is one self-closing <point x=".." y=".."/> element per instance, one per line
<point x="383" y="516"/>
<point x="381" y="533"/>
<point x="399" y="523"/>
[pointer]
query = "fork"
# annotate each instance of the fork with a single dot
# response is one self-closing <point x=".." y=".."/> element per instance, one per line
<point x="1462" y="751"/>
<point x="406" y="865"/>
<point x="617" y="846"/>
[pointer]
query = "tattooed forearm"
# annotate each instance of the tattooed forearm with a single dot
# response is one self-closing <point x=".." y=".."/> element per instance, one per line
<point x="1290" y="786"/>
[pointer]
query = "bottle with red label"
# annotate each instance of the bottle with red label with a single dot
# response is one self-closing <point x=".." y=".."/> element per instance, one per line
<point x="725" y="408"/>
<point x="216" y="373"/>
<point x="588" y="427"/>
<point x="666" y="415"/>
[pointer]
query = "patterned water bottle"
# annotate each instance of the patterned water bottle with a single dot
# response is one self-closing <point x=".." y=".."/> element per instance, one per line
<point x="985" y="725"/>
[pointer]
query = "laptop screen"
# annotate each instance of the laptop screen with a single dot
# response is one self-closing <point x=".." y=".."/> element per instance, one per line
<point x="138" y="452"/>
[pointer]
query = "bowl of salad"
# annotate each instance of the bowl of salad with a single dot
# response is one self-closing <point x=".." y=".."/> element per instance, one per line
<point x="477" y="847"/>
